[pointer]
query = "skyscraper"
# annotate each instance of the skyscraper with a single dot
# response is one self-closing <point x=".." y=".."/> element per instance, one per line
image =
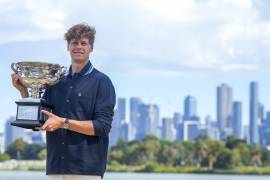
<point x="224" y="110"/>
<point x="265" y="139"/>
<point x="177" y="119"/>
<point x="168" y="131"/>
<point x="115" y="130"/>
<point x="253" y="113"/>
<point x="134" y="113"/>
<point x="121" y="107"/>
<point x="2" y="142"/>
<point x="148" y="120"/>
<point x="190" y="107"/>
<point x="211" y="128"/>
<point x="261" y="113"/>
<point x="11" y="132"/>
<point x="191" y="130"/>
<point x="125" y="131"/>
<point x="237" y="119"/>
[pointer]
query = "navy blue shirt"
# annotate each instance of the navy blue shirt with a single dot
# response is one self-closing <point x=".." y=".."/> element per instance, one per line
<point x="87" y="95"/>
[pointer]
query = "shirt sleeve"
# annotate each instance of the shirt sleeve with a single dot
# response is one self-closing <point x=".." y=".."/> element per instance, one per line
<point x="104" y="107"/>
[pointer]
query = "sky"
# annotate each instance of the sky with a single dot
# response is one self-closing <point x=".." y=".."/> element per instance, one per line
<point x="160" y="51"/>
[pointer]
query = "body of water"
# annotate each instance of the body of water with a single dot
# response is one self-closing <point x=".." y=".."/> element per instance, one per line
<point x="33" y="175"/>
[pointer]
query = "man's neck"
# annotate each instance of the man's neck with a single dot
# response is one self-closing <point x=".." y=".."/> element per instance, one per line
<point x="77" y="67"/>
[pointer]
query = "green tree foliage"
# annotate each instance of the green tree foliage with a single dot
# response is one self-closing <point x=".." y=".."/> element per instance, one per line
<point x="21" y="150"/>
<point x="4" y="157"/>
<point x="15" y="150"/>
<point x="42" y="154"/>
<point x="202" y="152"/>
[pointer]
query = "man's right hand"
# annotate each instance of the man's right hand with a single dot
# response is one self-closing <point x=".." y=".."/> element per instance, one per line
<point x="18" y="85"/>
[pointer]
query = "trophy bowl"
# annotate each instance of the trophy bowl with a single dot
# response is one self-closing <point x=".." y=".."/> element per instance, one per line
<point x="35" y="76"/>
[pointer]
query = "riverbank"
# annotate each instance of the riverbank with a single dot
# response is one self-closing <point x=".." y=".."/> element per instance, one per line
<point x="195" y="170"/>
<point x="36" y="165"/>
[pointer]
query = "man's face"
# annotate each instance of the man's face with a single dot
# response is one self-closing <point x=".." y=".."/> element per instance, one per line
<point x="79" y="49"/>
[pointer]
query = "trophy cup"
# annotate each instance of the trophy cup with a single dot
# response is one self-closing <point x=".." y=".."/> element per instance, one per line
<point x="36" y="76"/>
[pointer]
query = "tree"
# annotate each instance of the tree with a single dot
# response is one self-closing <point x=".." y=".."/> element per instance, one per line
<point x="31" y="151"/>
<point x="188" y="153"/>
<point x="244" y="154"/>
<point x="168" y="155"/>
<point x="200" y="149"/>
<point x="15" y="150"/>
<point x="42" y="154"/>
<point x="255" y="155"/>
<point x="265" y="156"/>
<point x="224" y="159"/>
<point x="213" y="150"/>
<point x="232" y="142"/>
<point x="4" y="157"/>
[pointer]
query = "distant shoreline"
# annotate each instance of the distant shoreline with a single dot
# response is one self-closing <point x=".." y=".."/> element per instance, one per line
<point x="38" y="165"/>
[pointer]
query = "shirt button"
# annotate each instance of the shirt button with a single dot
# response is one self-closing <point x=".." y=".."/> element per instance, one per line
<point x="70" y="87"/>
<point x="62" y="157"/>
<point x="63" y="143"/>
<point x="67" y="100"/>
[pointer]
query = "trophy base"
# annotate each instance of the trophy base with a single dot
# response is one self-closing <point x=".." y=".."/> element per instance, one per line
<point x="26" y="124"/>
<point x="29" y="115"/>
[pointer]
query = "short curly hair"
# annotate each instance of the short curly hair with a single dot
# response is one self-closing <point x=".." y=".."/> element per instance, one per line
<point x="82" y="30"/>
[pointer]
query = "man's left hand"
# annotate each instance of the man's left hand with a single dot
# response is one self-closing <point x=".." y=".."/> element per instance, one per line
<point x="53" y="122"/>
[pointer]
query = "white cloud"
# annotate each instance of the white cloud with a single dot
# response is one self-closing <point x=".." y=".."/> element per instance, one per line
<point x="31" y="20"/>
<point x="191" y="36"/>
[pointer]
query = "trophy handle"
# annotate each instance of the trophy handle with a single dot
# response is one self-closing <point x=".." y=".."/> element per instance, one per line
<point x="63" y="70"/>
<point x="15" y="67"/>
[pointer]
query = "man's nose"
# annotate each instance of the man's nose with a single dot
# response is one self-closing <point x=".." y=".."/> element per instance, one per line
<point x="79" y="45"/>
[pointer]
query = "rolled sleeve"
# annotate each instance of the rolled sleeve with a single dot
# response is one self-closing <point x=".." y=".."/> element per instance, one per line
<point x="104" y="107"/>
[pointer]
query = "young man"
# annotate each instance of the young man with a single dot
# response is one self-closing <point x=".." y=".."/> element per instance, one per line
<point x="84" y="100"/>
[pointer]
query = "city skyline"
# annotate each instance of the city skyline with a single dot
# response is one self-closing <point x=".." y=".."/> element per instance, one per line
<point x="182" y="109"/>
<point x="188" y="125"/>
<point x="137" y="119"/>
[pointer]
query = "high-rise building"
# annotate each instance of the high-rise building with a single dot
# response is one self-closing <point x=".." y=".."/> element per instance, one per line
<point x="168" y="130"/>
<point x="11" y="132"/>
<point x="253" y="113"/>
<point x="261" y="113"/>
<point x="246" y="133"/>
<point x="267" y="120"/>
<point x="2" y="143"/>
<point x="224" y="110"/>
<point x="177" y="119"/>
<point x="211" y="128"/>
<point x="237" y="119"/>
<point x="190" y="108"/>
<point x="126" y="131"/>
<point x="180" y="132"/>
<point x="148" y="120"/>
<point x="115" y="130"/>
<point x="121" y="107"/>
<point x="134" y="113"/>
<point x="191" y="130"/>
<point x="265" y="138"/>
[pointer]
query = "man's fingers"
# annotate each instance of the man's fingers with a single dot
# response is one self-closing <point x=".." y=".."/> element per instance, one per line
<point x="49" y="114"/>
<point x="37" y="129"/>
<point x="45" y="125"/>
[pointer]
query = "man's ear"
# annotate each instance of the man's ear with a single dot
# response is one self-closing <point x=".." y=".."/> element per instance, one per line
<point x="92" y="47"/>
<point x="67" y="46"/>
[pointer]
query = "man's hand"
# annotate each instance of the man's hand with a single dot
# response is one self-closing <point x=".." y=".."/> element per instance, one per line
<point x="53" y="122"/>
<point x="18" y="85"/>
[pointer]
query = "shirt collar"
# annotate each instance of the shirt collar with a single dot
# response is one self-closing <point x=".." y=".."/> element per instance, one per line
<point x="87" y="69"/>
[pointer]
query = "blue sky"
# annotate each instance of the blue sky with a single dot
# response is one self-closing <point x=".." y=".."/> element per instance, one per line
<point x="158" y="50"/>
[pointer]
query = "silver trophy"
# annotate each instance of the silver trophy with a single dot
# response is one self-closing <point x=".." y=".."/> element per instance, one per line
<point x="36" y="76"/>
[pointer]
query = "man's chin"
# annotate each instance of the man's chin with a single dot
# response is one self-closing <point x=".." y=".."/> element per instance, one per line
<point x="79" y="60"/>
